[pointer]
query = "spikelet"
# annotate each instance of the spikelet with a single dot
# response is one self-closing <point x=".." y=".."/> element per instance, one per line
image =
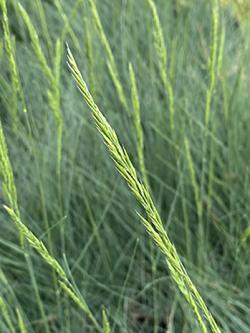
<point x="11" y="199"/>
<point x="112" y="67"/>
<point x="161" y="52"/>
<point x="36" y="44"/>
<point x="153" y="223"/>
<point x="11" y="57"/>
<point x="36" y="243"/>
<point x="159" y="42"/>
<point x="6" y="172"/>
<point x="105" y="322"/>
<point x="39" y="246"/>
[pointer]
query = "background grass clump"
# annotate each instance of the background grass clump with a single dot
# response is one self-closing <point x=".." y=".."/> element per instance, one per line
<point x="172" y="78"/>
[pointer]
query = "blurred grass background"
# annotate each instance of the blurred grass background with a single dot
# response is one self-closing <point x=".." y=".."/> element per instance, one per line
<point x="84" y="213"/>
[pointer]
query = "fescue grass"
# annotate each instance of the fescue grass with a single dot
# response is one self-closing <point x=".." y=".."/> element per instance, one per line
<point x="172" y="80"/>
<point x="153" y="223"/>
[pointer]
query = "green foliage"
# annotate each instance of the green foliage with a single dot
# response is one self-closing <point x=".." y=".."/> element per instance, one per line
<point x="180" y="71"/>
<point x="154" y="223"/>
<point x="53" y="79"/>
<point x="5" y="313"/>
